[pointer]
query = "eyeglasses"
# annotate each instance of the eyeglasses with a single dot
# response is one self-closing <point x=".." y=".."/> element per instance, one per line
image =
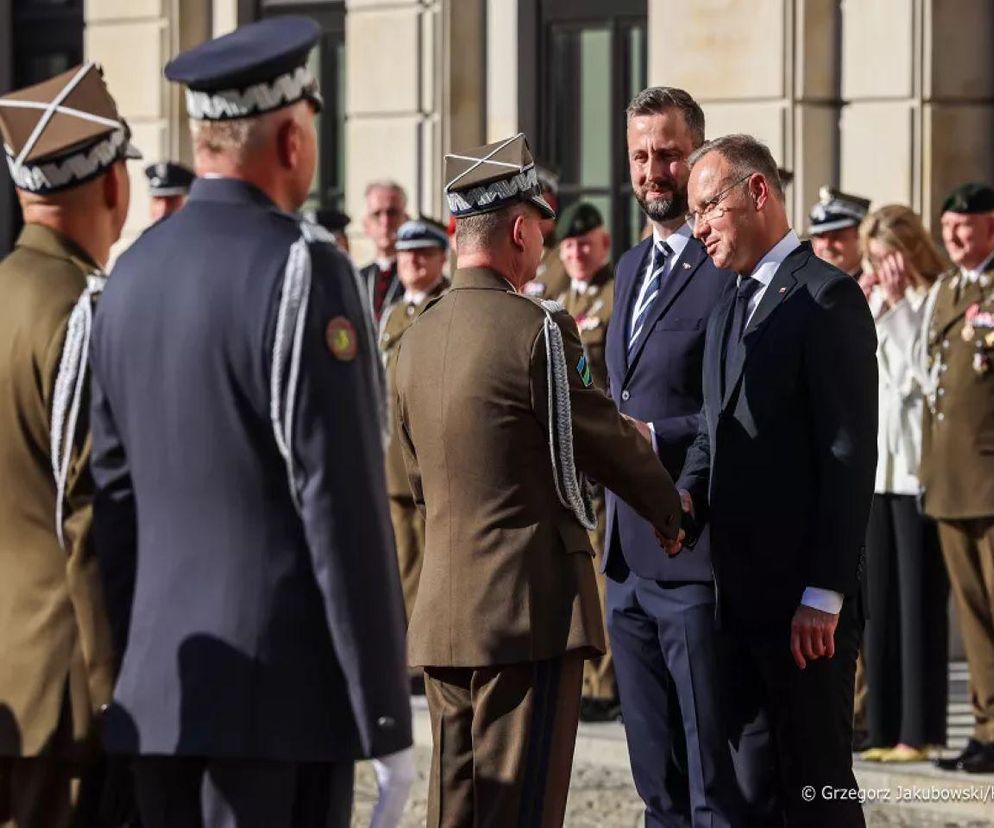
<point x="711" y="211"/>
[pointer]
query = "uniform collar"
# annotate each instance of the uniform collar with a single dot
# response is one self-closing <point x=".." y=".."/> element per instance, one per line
<point x="43" y="239"/>
<point x="230" y="191"/>
<point x="419" y="297"/>
<point x="975" y="274"/>
<point x="594" y="284"/>
<point x="480" y="277"/>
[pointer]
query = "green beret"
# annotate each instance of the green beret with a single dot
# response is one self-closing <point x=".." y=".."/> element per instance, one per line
<point x="970" y="198"/>
<point x="578" y="219"/>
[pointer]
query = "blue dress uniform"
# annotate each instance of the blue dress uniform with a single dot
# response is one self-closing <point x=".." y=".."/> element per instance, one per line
<point x="240" y="518"/>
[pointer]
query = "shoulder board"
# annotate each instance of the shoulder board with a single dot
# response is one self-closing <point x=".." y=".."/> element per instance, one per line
<point x="315" y="233"/>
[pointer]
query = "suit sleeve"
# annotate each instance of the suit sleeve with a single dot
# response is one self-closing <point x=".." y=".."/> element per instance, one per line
<point x="841" y="370"/>
<point x="114" y="524"/>
<point x="674" y="435"/>
<point x="338" y="460"/>
<point x="607" y="447"/>
<point x="696" y="475"/>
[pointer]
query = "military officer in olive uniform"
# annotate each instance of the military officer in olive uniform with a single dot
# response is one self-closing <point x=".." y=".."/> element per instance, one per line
<point x="500" y="425"/>
<point x="550" y="277"/>
<point x="56" y="659"/>
<point x="584" y="247"/>
<point x="422" y="250"/>
<point x="957" y="472"/>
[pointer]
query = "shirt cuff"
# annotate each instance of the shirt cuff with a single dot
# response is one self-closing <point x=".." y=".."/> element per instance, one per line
<point x="826" y="600"/>
<point x="652" y="431"/>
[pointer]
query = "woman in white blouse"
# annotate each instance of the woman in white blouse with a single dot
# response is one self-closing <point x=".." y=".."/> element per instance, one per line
<point x="907" y="589"/>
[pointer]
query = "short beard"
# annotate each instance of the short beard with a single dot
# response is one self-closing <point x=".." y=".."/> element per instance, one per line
<point x="664" y="209"/>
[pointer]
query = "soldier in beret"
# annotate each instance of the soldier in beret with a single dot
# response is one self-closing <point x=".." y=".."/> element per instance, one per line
<point x="422" y="251"/>
<point x="66" y="149"/>
<point x="168" y="185"/>
<point x="957" y="471"/>
<point x="241" y="517"/>
<point x="584" y="247"/>
<point x="501" y="425"/>
<point x="834" y="229"/>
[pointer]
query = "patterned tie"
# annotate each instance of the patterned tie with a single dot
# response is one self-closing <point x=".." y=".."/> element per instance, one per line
<point x="660" y="255"/>
<point x="383" y="279"/>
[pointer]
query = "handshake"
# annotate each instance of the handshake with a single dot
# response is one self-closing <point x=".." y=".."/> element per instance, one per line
<point x="689" y="532"/>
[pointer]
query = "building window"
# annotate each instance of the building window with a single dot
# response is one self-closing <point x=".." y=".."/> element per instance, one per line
<point x="38" y="39"/>
<point x="327" y="62"/>
<point x="592" y="62"/>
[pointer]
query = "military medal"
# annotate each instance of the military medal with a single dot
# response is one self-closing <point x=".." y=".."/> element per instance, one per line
<point x="968" y="332"/>
<point x="341" y="338"/>
<point x="981" y="364"/>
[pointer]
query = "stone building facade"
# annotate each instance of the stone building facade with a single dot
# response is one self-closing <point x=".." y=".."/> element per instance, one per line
<point x="893" y="99"/>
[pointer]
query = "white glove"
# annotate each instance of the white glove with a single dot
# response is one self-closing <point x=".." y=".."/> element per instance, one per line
<point x="394" y="776"/>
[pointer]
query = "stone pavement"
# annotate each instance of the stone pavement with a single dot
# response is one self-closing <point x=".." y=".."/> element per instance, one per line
<point x="602" y="793"/>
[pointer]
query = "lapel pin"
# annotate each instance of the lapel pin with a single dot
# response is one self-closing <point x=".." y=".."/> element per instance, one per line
<point x="783" y="290"/>
<point x="686" y="265"/>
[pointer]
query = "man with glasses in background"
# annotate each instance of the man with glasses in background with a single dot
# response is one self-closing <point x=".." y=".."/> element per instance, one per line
<point x="386" y="211"/>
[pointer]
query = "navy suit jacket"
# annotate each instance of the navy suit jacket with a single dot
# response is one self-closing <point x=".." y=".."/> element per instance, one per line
<point x="248" y="629"/>
<point x="785" y="458"/>
<point x="661" y="384"/>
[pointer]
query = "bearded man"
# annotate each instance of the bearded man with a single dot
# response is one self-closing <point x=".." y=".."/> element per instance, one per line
<point x="660" y="612"/>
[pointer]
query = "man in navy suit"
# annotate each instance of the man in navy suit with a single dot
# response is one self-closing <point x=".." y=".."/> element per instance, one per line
<point x="660" y="612"/>
<point x="783" y="467"/>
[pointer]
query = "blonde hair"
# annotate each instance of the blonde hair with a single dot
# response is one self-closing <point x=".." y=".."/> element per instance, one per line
<point x="900" y="229"/>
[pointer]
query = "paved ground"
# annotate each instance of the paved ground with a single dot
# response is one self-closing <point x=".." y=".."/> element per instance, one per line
<point x="602" y="794"/>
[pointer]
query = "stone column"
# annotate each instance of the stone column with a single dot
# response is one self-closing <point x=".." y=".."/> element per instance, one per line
<point x="133" y="40"/>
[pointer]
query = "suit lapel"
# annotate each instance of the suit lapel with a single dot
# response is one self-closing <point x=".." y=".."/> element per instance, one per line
<point x="779" y="289"/>
<point x="673" y="284"/>
<point x="624" y="290"/>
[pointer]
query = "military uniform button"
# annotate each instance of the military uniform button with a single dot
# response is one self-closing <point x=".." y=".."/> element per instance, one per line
<point x="945" y="343"/>
<point x="942" y="391"/>
<point x="625" y="394"/>
<point x="386" y="722"/>
<point x="940" y="416"/>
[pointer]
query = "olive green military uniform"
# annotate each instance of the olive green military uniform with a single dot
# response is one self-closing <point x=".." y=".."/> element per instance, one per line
<point x="408" y="522"/>
<point x="507" y="606"/>
<point x="957" y="470"/>
<point x="55" y="652"/>
<point x="592" y="312"/>
<point x="551" y="279"/>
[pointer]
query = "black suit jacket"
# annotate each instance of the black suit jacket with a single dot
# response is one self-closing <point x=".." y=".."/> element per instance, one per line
<point x="784" y="461"/>
<point x="661" y="384"/>
<point x="249" y="629"/>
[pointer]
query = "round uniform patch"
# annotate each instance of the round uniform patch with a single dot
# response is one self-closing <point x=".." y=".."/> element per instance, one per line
<point x="341" y="338"/>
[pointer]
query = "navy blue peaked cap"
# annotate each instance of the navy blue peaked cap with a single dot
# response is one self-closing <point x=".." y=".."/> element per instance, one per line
<point x="257" y="68"/>
<point x="168" y="178"/>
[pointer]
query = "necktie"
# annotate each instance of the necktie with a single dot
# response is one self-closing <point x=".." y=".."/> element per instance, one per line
<point x="734" y="351"/>
<point x="383" y="279"/>
<point x="660" y="255"/>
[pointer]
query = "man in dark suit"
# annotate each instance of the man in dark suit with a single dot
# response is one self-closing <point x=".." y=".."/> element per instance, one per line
<point x="386" y="211"/>
<point x="660" y="611"/>
<point x="240" y="514"/>
<point x="784" y="467"/>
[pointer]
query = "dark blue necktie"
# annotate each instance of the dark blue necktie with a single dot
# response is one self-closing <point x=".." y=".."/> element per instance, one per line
<point x="661" y="253"/>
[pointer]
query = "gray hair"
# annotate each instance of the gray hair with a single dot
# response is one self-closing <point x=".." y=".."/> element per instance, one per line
<point x="387" y="184"/>
<point x="657" y="99"/>
<point x="746" y="155"/>
<point x="237" y="138"/>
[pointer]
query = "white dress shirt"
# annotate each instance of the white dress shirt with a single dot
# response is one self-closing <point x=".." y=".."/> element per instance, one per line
<point x="974" y="275"/>
<point x="826" y="600"/>
<point x="416" y="297"/>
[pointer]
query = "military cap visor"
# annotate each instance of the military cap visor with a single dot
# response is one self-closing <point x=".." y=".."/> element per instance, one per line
<point x="492" y="177"/>
<point x="969" y="199"/>
<point x="421" y="234"/>
<point x="255" y="69"/>
<point x="837" y="210"/>
<point x="167" y="178"/>
<point x="63" y="132"/>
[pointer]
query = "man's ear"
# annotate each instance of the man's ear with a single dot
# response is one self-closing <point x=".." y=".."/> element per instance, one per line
<point x="518" y="231"/>
<point x="759" y="189"/>
<point x="113" y="185"/>
<point x="288" y="143"/>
